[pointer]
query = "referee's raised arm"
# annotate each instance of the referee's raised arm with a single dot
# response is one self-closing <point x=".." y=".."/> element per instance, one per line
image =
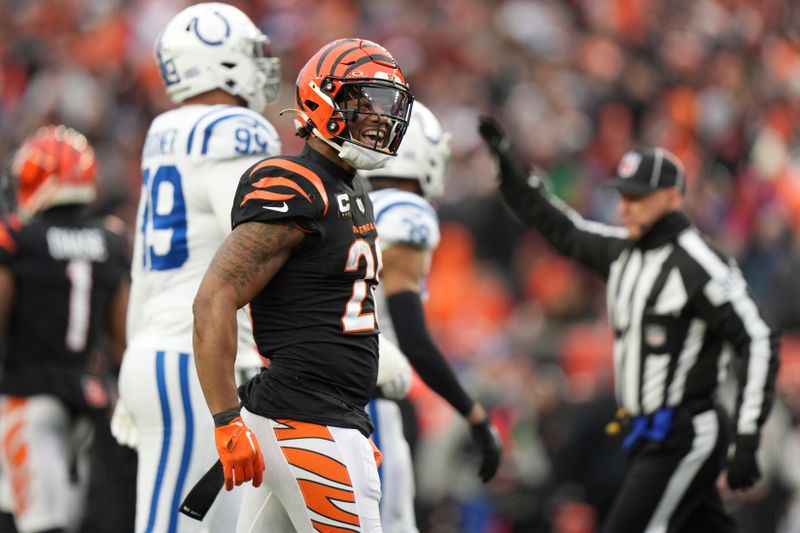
<point x="593" y="244"/>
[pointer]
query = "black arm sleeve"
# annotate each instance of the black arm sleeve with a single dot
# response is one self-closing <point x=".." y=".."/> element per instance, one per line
<point x="728" y="307"/>
<point x="593" y="244"/>
<point x="408" y="319"/>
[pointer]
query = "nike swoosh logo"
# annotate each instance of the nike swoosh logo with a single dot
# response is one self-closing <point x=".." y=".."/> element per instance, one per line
<point x="280" y="209"/>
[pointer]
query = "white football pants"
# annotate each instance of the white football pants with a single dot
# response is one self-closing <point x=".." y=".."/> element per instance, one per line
<point x="318" y="479"/>
<point x="42" y="450"/>
<point x="176" y="447"/>
<point x="396" y="471"/>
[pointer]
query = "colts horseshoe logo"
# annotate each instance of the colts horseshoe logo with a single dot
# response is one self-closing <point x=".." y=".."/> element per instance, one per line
<point x="194" y="25"/>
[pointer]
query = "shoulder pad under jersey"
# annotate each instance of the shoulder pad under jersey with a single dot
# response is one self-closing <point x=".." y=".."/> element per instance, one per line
<point x="405" y="218"/>
<point x="279" y="188"/>
<point x="231" y="132"/>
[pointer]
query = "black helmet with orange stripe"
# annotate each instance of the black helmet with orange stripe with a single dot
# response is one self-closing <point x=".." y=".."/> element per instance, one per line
<point x="349" y="79"/>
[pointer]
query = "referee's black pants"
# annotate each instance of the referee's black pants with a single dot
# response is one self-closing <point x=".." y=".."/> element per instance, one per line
<point x="670" y="486"/>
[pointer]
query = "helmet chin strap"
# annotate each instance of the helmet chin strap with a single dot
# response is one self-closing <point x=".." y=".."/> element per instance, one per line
<point x="362" y="158"/>
<point x="356" y="156"/>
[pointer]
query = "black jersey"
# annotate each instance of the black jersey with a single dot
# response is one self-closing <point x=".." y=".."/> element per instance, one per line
<point x="315" y="320"/>
<point x="66" y="269"/>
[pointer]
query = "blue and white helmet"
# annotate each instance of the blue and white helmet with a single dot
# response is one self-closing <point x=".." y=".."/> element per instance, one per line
<point x="424" y="154"/>
<point x="215" y="46"/>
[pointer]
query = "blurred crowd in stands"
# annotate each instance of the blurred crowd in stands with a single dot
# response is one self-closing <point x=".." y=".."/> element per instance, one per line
<point x="578" y="82"/>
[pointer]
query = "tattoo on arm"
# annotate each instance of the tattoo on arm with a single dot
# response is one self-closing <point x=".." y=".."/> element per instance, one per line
<point x="253" y="253"/>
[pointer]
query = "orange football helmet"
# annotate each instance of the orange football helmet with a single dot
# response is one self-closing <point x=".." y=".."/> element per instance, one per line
<point x="56" y="165"/>
<point x="347" y="78"/>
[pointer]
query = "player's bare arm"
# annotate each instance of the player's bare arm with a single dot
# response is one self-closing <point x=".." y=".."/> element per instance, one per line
<point x="116" y="321"/>
<point x="6" y="300"/>
<point x="251" y="256"/>
<point x="403" y="267"/>
<point x="244" y="263"/>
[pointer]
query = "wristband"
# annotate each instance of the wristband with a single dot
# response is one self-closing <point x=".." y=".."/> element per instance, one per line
<point x="223" y="418"/>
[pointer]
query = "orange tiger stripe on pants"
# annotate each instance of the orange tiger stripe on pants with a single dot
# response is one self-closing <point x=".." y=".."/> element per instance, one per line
<point x="301" y="430"/>
<point x="319" y="479"/>
<point x="319" y="497"/>
<point x="16" y="453"/>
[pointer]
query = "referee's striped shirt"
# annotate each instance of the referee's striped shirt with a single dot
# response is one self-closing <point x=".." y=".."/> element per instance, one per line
<point x="677" y="307"/>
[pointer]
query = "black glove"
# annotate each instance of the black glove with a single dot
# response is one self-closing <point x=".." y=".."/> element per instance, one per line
<point x="487" y="439"/>
<point x="743" y="469"/>
<point x="514" y="170"/>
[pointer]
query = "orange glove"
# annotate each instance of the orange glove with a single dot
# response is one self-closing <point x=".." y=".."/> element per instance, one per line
<point x="239" y="453"/>
<point x="377" y="454"/>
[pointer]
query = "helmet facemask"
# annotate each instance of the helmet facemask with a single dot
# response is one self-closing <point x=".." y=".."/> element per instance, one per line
<point x="268" y="75"/>
<point x="372" y="114"/>
<point x="423" y="157"/>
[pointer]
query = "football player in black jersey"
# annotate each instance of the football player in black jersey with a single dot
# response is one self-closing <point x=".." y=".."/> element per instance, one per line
<point x="63" y="292"/>
<point x="303" y="254"/>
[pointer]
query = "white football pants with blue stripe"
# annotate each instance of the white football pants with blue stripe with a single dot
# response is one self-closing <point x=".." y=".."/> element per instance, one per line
<point x="396" y="470"/>
<point x="176" y="442"/>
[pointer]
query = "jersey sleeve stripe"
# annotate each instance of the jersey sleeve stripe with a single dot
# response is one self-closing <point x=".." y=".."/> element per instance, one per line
<point x="385" y="209"/>
<point x="299" y="170"/>
<point x="280" y="182"/>
<point x="210" y="128"/>
<point x="757" y="330"/>
<point x="233" y="112"/>
<point x="268" y="195"/>
<point x="592" y="226"/>
<point x="703" y="254"/>
<point x="265" y="195"/>
<point x="194" y="128"/>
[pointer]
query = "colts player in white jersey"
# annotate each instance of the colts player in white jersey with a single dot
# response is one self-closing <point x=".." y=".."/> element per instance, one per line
<point x="409" y="233"/>
<point x="216" y="64"/>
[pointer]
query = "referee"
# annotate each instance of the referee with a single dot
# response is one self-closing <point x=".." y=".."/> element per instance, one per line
<point x="676" y="305"/>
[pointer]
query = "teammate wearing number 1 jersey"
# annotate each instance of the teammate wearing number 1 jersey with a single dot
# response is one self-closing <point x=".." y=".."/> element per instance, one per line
<point x="304" y="254"/>
<point x="63" y="291"/>
<point x="215" y="63"/>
